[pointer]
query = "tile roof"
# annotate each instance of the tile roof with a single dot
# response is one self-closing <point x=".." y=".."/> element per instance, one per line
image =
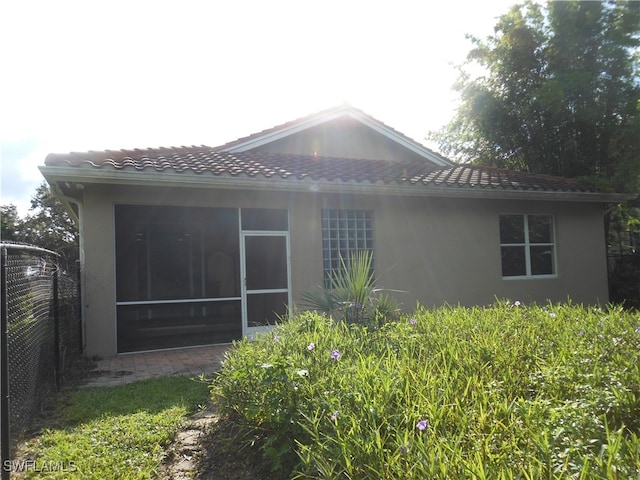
<point x="203" y="160"/>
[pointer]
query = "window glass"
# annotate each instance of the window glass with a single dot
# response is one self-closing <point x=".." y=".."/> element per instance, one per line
<point x="513" y="261"/>
<point x="541" y="260"/>
<point x="540" y="228"/>
<point x="511" y="229"/>
<point x="344" y="232"/>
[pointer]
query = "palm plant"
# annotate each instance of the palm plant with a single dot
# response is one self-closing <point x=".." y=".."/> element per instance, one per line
<point x="352" y="294"/>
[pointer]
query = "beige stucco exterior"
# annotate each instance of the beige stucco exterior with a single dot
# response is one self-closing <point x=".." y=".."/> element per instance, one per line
<point x="343" y="138"/>
<point x="434" y="250"/>
<point x="433" y="243"/>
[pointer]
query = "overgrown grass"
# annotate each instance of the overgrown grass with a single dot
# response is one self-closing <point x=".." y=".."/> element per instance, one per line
<point x="512" y="391"/>
<point x="116" y="432"/>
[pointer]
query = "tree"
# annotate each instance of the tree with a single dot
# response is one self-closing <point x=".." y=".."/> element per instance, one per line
<point x="48" y="226"/>
<point x="10" y="222"/>
<point x="559" y="94"/>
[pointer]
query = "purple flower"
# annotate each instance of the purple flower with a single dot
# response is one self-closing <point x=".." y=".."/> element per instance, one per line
<point x="517" y="303"/>
<point x="637" y="329"/>
<point x="311" y="346"/>
<point x="404" y="449"/>
<point x="413" y="321"/>
<point x="422" y="425"/>
<point x="335" y="354"/>
<point x="552" y="315"/>
<point x="358" y="306"/>
<point x="334" y="416"/>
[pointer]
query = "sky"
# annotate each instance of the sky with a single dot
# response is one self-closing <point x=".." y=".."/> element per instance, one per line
<point x="79" y="75"/>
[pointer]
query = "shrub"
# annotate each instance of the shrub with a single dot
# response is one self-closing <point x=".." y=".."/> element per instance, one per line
<point x="352" y="294"/>
<point x="510" y="391"/>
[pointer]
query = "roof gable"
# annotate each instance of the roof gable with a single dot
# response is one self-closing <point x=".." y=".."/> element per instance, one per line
<point x="327" y="133"/>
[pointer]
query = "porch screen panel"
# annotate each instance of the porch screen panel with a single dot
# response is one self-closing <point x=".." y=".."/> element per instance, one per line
<point x="177" y="276"/>
<point x="153" y="327"/>
<point x="266" y="308"/>
<point x="265" y="219"/>
<point x="266" y="259"/>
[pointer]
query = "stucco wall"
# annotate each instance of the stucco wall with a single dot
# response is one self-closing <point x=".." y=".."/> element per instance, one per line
<point x="344" y="138"/>
<point x="435" y="250"/>
<point x="440" y="250"/>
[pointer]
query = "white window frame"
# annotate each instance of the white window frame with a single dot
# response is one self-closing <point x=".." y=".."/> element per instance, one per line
<point x="527" y="247"/>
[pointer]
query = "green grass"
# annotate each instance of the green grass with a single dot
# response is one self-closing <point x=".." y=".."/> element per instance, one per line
<point x="116" y="432"/>
<point x="511" y="391"/>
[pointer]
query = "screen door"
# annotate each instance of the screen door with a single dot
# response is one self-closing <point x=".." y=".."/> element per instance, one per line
<point x="266" y="292"/>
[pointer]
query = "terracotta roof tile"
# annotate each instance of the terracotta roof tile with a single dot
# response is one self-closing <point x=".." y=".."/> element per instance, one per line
<point x="203" y="160"/>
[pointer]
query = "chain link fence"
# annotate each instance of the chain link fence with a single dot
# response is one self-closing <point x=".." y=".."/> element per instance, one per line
<point x="624" y="279"/>
<point x="42" y="335"/>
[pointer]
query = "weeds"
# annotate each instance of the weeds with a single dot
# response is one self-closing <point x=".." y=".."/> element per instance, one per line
<point x="510" y="391"/>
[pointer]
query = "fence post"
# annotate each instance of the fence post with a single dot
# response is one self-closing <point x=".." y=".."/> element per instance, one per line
<point x="56" y="328"/>
<point x="5" y="450"/>
<point x="79" y="307"/>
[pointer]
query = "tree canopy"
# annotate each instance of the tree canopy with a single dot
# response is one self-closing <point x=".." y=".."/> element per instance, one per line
<point x="558" y="93"/>
<point x="47" y="225"/>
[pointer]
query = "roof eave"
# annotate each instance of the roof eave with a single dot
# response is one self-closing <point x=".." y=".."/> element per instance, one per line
<point x="78" y="176"/>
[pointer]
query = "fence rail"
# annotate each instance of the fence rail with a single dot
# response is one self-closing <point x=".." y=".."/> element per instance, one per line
<point x="41" y="336"/>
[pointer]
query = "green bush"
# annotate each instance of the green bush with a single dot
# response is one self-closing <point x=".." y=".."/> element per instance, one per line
<point x="352" y="294"/>
<point x="510" y="391"/>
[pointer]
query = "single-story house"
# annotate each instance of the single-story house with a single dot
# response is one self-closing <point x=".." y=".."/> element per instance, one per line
<point x="199" y="245"/>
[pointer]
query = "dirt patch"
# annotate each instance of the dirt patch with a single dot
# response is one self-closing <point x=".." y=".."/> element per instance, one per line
<point x="204" y="449"/>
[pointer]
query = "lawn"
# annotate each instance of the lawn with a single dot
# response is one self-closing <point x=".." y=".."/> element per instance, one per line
<point x="115" y="432"/>
<point x="507" y="391"/>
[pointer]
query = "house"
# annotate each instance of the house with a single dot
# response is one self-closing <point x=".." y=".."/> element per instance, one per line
<point x="198" y="245"/>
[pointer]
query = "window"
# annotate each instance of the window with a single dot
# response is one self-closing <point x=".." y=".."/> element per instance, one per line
<point x="527" y="245"/>
<point x="344" y="232"/>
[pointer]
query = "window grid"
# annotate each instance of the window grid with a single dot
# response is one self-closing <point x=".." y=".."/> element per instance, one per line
<point x="528" y="245"/>
<point x="344" y="232"/>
